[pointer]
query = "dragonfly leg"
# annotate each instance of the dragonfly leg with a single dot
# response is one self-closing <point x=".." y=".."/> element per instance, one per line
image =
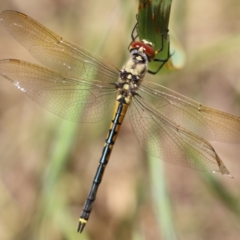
<point x="162" y="61"/>
<point x="134" y="33"/>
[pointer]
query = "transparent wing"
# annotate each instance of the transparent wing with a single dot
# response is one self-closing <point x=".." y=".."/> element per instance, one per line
<point x="53" y="51"/>
<point x="206" y="122"/>
<point x="82" y="83"/>
<point x="163" y="138"/>
<point x="67" y="97"/>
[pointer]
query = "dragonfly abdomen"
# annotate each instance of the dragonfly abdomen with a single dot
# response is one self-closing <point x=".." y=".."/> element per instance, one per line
<point x="118" y="117"/>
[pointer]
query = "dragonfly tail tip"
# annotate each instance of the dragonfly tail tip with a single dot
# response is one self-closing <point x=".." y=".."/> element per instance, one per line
<point x="81" y="225"/>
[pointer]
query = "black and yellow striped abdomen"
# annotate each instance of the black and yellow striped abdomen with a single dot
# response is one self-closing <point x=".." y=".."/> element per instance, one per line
<point x="119" y="113"/>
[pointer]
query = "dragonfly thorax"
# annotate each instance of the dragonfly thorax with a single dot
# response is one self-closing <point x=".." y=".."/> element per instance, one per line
<point x="134" y="71"/>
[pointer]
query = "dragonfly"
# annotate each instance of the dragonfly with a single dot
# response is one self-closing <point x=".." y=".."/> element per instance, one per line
<point x="78" y="85"/>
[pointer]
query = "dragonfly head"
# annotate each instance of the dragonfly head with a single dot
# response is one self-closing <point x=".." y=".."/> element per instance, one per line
<point x="143" y="47"/>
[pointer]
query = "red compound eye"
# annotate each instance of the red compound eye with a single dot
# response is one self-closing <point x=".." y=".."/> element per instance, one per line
<point x="148" y="49"/>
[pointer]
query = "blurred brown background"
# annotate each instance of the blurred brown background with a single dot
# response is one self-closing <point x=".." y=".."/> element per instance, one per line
<point x="47" y="164"/>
